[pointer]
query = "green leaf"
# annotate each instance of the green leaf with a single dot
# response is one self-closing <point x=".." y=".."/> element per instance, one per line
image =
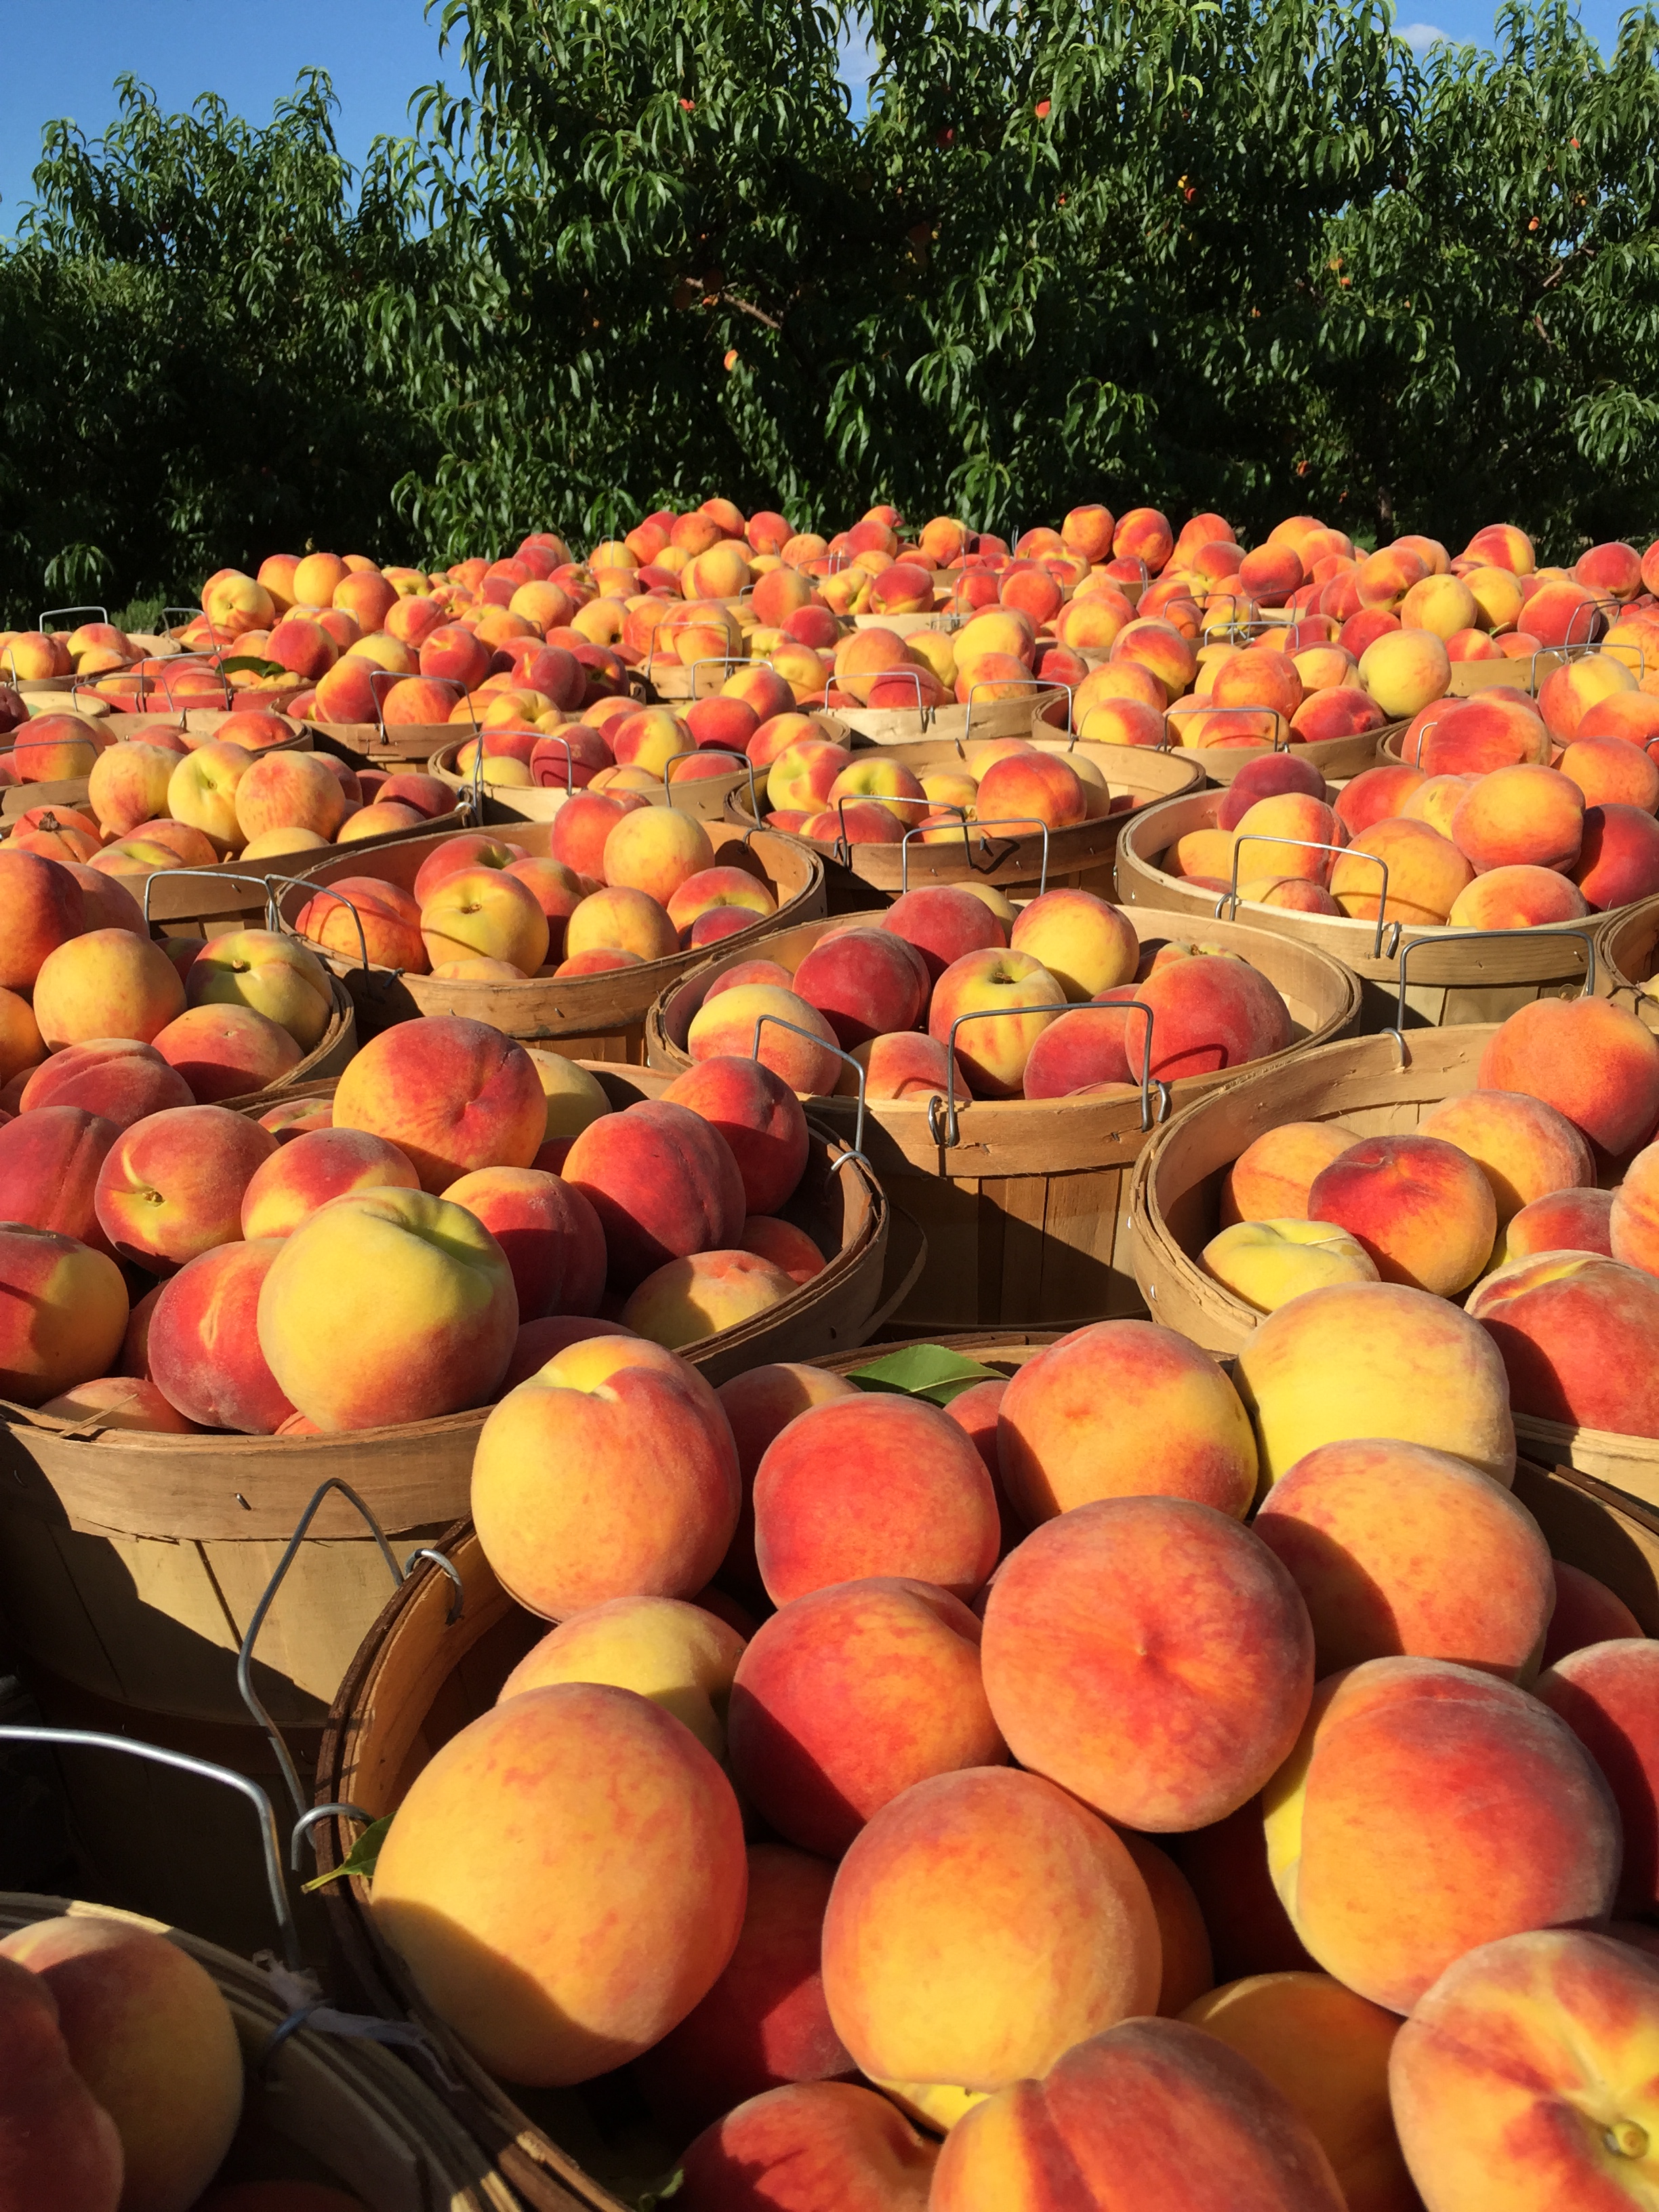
<point x="252" y="661"/>
<point x="923" y="1370"/>
<point x="361" y="1858"/>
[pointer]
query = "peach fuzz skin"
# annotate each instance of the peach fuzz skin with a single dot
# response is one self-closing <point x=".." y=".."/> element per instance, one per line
<point x="612" y="1900"/>
<point x="874" y="1485"/>
<point x="1152" y="2112"/>
<point x="1592" y="1060"/>
<point x="312" y="1168"/>
<point x="695" y="1297"/>
<point x="203" y="1346"/>
<point x="675" y="1654"/>
<point x="1327" y="2050"/>
<point x="610" y="1473"/>
<point x="1525" y="1148"/>
<point x="171" y="1186"/>
<point x="1271" y="1178"/>
<point x="1574" y="1331"/>
<point x="665" y="1184"/>
<point x="387" y="1306"/>
<point x="1082" y="1627"/>
<point x="1430" y="1376"/>
<point x="1525" y="2078"/>
<point x="1609" y="1695"/>
<point x="63" y="1315"/>
<point x="1386" y="1877"/>
<point x="806" y="2145"/>
<point x="451" y="1094"/>
<point x="1177" y="1422"/>
<point x="979" y="1925"/>
<point x="1422" y="1209"/>
<point x="849" y="1695"/>
<point x="759" y="1404"/>
<point x="1400" y="1550"/>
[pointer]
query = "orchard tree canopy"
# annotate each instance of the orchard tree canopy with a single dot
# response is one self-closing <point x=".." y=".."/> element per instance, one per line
<point x="1253" y="255"/>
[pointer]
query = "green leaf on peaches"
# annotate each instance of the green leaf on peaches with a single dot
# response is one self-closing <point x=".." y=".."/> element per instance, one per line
<point x="361" y="1858"/>
<point x="923" y="1370"/>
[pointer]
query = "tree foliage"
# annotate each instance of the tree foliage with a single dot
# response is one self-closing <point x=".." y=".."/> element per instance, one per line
<point x="1253" y="255"/>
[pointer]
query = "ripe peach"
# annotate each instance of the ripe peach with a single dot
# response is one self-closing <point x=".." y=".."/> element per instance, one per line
<point x="654" y="850"/>
<point x="49" y="1159"/>
<point x="1437" y="801"/>
<point x="1421" y="1208"/>
<point x="1586" y="1612"/>
<point x="865" y="982"/>
<point x="1611" y="770"/>
<point x="1404" y="671"/>
<point x="619" y="920"/>
<point x="485" y="912"/>
<point x="548" y="1231"/>
<point x="848" y="1696"/>
<point x="1564" y="614"/>
<point x="975" y="1873"/>
<point x="1525" y="1148"/>
<point x="1590" y="1060"/>
<point x="1498" y="728"/>
<point x="389" y="919"/>
<point x="993" y="986"/>
<point x="665" y="1184"/>
<point x="678" y="1654"/>
<point x="1397" y="1549"/>
<point x="1573" y="687"/>
<point x="1431" y="1375"/>
<point x="289" y="791"/>
<point x="760" y="1118"/>
<point x="1327" y="2050"/>
<point x="1425" y="873"/>
<point x="128" y="785"/>
<point x="172" y="1185"/>
<point x="1520" y="898"/>
<point x="63" y="1313"/>
<point x="1268" y="1263"/>
<point x="1565" y="1221"/>
<point x="227" y="1052"/>
<point x="724" y="1026"/>
<point x="1606" y="1693"/>
<point x="117" y="1079"/>
<point x="1086" y="944"/>
<point x="202" y="1348"/>
<point x="1618" y="859"/>
<point x="759" y="1404"/>
<point x="806" y="2144"/>
<point x="1271" y="1178"/>
<point x="105" y="983"/>
<point x="1632" y="715"/>
<point x="1385" y="1878"/>
<point x="1520" y="817"/>
<point x="1027" y="788"/>
<point x="1209" y="1011"/>
<point x="271" y="972"/>
<point x="688" y="1299"/>
<point x="1376" y="794"/>
<point x="1567" y="1325"/>
<point x="943" y="922"/>
<point x="451" y="1094"/>
<point x="313" y="1168"/>
<point x="594" y="1927"/>
<point x="609" y="1472"/>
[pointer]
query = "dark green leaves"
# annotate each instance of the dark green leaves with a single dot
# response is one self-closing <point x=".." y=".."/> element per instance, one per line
<point x="361" y="1859"/>
<point x="923" y="1370"/>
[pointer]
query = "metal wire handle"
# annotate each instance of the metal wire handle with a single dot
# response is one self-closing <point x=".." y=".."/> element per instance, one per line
<point x="997" y="821"/>
<point x="1229" y="899"/>
<point x="270" y="1835"/>
<point x="728" y="661"/>
<point x="926" y="708"/>
<point x="719" y="752"/>
<point x="1461" y="937"/>
<point x="812" y="1037"/>
<point x="948" y="1139"/>
<point x="1044" y="696"/>
<point x="163" y="682"/>
<point x="275" y="885"/>
<point x="46" y="613"/>
<point x="1278" y="721"/>
<point x="250" y="1696"/>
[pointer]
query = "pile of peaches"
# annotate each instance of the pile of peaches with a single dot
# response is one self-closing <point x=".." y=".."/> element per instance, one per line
<point x="38" y="656"/>
<point x="396" y="1252"/>
<point x="622" y="883"/>
<point x="1036" y="1003"/>
<point x="1501" y="814"/>
<point x="1120" y="1787"/>
<point x="1532" y="1199"/>
<point x="122" y="2079"/>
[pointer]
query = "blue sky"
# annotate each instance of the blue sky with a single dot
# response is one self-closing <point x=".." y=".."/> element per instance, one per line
<point x="62" y="57"/>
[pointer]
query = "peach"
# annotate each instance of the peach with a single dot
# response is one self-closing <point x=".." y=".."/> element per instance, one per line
<point x="724" y="1026"/>
<point x="313" y="1168"/>
<point x="63" y="1313"/>
<point x="575" y="1096"/>
<point x="1499" y="728"/>
<point x="789" y="1249"/>
<point x="609" y="1472"/>
<point x="1606" y="1693"/>
<point x="1210" y="1011"/>
<point x="716" y="888"/>
<point x="941" y="1962"/>
<point x="485" y="912"/>
<point x="106" y="983"/>
<point x="1632" y="1219"/>
<point x="1176" y="1423"/>
<point x="1525" y="1148"/>
<point x="1010" y="996"/>
<point x="1327" y="2050"/>
<point x="1422" y="1209"/>
<point x="1303" y="823"/>
<point x="119" y="1401"/>
<point x="765" y="2023"/>
<point x="612" y="1898"/>
<point x="688" y="1299"/>
<point x="227" y="1052"/>
<point x="1400" y="1550"/>
<point x="419" y="1289"/>
<point x="1611" y="770"/>
<point x="21" y="1046"/>
<point x="1524" y="2077"/>
<point x="1633" y="715"/>
<point x="1425" y="873"/>
<point x="1267" y="680"/>
<point x="119" y="1080"/>
<point x="760" y="1119"/>
<point x="388" y="917"/>
<point x="378" y="821"/>
<point x="49" y="1159"/>
<point x="170" y="1187"/>
<point x="451" y="1094"/>
<point x="1030" y="788"/>
<point x="128" y="785"/>
<point x="1267" y="1263"/>
<point x="654" y="850"/>
<point x="1386" y="1880"/>
<point x="1431" y="1375"/>
<point x="1375" y="795"/>
<point x="1440" y="604"/>
<point x="1561" y="613"/>
<point x="1567" y="1326"/>
<point x="1590" y="1060"/>
<point x="1573" y="687"/>
<point x="865" y="982"/>
<point x="1618" y="859"/>
<point x="759" y="1404"/>
<point x="1088" y="1599"/>
<point x="549" y="1233"/>
<point x="1144" y="535"/>
<point x="1519" y="897"/>
<point x="1437" y="801"/>
<point x="678" y="1655"/>
<point x="885" y="1486"/>
<point x="1271" y="1178"/>
<point x="620" y="919"/>
<point x="1124" y="2120"/>
<point x="807" y="2144"/>
<point x="271" y="972"/>
<point x="943" y="922"/>
<point x="1404" y="671"/>
<point x="287" y="792"/>
<point x="202" y="1348"/>
<point x="665" y="1184"/>
<point x="1086" y="1049"/>
<point x="848" y="1696"/>
<point x="1520" y="817"/>
<point x="1565" y="1221"/>
<point x="202" y="793"/>
<point x="1086" y="944"/>
<point x="1225" y="1865"/>
<point x="52" y="749"/>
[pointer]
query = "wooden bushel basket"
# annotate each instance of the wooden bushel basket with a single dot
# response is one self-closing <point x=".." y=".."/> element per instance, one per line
<point x="1453" y="975"/>
<point x="420" y="1678"/>
<point x="1012" y="852"/>
<point x="1627" y="955"/>
<point x="583" y="1017"/>
<point x="1026" y="1212"/>
<point x="703" y="797"/>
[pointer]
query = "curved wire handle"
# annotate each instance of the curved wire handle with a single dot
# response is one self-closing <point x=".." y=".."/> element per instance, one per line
<point x="270" y="1835"/>
<point x="1045" y="696"/>
<point x="948" y="1139"/>
<point x="1229" y="899"/>
<point x="812" y="1037"/>
<point x="993" y="862"/>
<point x="275" y="885"/>
<point x="1461" y="937"/>
<point x="163" y="682"/>
<point x="926" y="707"/>
<point x="46" y="613"/>
<point x="728" y="661"/>
<point x="1273" y="715"/>
<point x="250" y="1696"/>
<point x="719" y="752"/>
